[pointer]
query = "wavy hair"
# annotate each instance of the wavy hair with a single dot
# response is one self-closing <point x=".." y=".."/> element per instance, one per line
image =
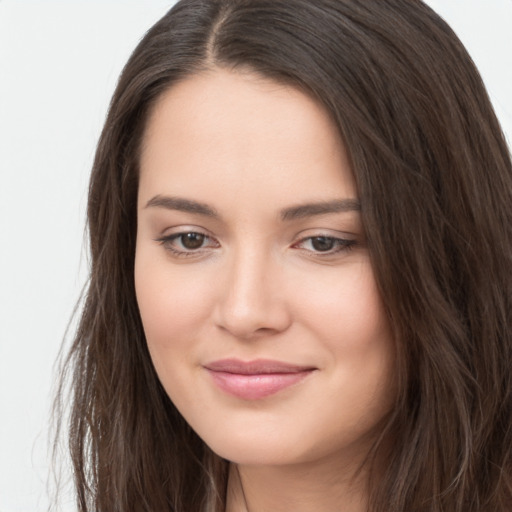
<point x="434" y="176"/>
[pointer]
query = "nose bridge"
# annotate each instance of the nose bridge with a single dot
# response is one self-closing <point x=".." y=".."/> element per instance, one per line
<point x="252" y="301"/>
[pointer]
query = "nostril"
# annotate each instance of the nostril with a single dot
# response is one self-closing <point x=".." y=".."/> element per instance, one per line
<point x="253" y="322"/>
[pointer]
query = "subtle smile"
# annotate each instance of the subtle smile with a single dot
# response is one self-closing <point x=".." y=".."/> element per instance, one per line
<point x="257" y="379"/>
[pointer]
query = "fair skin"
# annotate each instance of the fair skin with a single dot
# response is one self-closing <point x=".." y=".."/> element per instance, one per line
<point x="256" y="292"/>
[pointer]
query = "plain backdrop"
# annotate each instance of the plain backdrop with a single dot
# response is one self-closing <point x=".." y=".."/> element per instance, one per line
<point x="59" y="61"/>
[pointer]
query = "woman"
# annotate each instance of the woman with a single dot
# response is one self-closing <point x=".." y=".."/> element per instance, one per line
<point x="300" y="293"/>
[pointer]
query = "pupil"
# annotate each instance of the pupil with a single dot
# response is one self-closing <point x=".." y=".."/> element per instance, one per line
<point x="192" y="240"/>
<point x="322" y="243"/>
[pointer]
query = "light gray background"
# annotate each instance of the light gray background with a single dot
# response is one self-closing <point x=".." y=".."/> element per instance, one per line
<point x="59" y="61"/>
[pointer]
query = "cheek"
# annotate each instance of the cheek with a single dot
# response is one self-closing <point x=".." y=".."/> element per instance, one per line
<point x="173" y="304"/>
<point x="345" y="309"/>
<point x="347" y="317"/>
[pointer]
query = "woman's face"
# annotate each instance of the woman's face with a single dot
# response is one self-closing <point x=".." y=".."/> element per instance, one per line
<point x="252" y="273"/>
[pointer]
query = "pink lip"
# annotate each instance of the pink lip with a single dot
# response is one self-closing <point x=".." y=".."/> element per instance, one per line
<point x="257" y="379"/>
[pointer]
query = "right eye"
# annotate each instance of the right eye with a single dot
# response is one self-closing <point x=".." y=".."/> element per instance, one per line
<point x="191" y="241"/>
<point x="187" y="243"/>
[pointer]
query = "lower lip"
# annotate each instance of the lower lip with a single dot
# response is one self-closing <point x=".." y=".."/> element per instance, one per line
<point x="256" y="386"/>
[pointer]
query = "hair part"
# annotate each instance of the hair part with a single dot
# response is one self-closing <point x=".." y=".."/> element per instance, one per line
<point x="435" y="183"/>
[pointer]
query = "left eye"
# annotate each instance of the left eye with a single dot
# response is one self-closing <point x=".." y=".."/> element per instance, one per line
<point x="325" y="244"/>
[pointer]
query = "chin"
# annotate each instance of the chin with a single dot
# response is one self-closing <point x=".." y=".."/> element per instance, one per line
<point x="268" y="447"/>
<point x="251" y="453"/>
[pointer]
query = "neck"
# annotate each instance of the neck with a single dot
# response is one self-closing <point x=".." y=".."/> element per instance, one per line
<point x="301" y="488"/>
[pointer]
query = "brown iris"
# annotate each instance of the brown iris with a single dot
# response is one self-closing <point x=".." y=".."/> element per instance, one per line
<point x="322" y="243"/>
<point x="192" y="240"/>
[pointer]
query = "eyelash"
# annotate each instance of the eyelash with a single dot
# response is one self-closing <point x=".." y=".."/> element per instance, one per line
<point x="340" y="244"/>
<point x="168" y="241"/>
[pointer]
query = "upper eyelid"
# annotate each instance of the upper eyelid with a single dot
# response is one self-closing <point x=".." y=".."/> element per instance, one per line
<point x="176" y="231"/>
<point x="173" y="236"/>
<point x="327" y="233"/>
<point x="336" y="238"/>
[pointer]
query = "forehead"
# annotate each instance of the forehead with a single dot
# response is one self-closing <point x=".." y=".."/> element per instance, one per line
<point x="239" y="132"/>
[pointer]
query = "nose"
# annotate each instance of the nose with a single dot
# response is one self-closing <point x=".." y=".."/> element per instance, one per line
<point x="253" y="300"/>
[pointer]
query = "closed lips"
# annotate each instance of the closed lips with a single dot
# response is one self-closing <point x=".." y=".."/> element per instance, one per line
<point x="255" y="379"/>
<point x="255" y="367"/>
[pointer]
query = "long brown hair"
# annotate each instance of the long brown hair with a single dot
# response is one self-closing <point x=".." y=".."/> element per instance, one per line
<point x="435" y="182"/>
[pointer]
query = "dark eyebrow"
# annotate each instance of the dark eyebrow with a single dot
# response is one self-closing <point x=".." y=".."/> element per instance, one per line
<point x="182" y="205"/>
<point x="321" y="208"/>
<point x="291" y="213"/>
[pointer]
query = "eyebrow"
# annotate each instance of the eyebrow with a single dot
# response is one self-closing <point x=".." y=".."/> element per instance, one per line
<point x="182" y="205"/>
<point x="321" y="208"/>
<point x="291" y="213"/>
